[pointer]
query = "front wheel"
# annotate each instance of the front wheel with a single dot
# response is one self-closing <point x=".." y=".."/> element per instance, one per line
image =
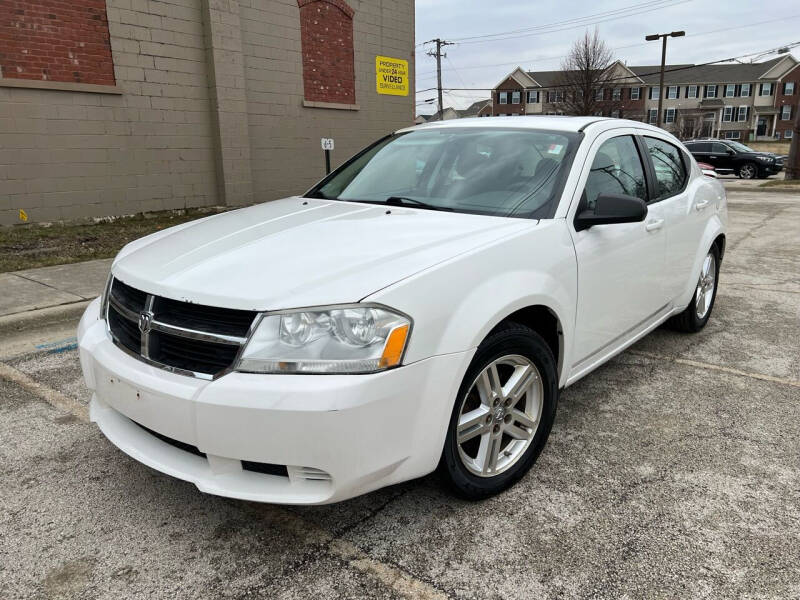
<point x="503" y="413"/>
<point x="748" y="171"/>
<point x="696" y="315"/>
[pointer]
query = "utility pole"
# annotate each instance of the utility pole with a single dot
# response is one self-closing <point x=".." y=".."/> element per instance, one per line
<point x="793" y="165"/>
<point x="664" y="37"/>
<point x="438" y="55"/>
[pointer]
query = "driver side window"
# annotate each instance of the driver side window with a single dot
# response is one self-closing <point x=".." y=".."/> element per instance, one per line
<point x="617" y="169"/>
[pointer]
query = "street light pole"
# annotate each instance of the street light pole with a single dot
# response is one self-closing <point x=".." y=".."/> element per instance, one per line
<point x="663" y="37"/>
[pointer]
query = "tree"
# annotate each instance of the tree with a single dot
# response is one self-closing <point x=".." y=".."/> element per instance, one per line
<point x="584" y="71"/>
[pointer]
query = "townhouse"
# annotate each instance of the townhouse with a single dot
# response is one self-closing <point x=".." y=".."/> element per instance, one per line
<point x="753" y="101"/>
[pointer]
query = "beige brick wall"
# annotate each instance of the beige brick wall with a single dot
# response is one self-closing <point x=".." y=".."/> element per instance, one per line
<point x="175" y="136"/>
<point x="66" y="154"/>
<point x="285" y="135"/>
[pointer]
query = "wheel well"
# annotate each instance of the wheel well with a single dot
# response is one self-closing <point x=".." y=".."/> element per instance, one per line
<point x="720" y="244"/>
<point x="544" y="322"/>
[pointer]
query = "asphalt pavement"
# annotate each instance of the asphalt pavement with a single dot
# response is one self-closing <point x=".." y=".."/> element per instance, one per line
<point x="671" y="472"/>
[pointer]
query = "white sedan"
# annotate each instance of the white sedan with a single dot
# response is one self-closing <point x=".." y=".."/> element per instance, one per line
<point x="419" y="308"/>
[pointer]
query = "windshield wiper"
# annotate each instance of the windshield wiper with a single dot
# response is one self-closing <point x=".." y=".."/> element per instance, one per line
<point x="402" y="200"/>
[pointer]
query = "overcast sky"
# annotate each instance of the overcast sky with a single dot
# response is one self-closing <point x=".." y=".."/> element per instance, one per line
<point x="715" y="29"/>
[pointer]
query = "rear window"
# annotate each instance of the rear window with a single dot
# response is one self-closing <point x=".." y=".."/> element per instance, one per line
<point x="698" y="146"/>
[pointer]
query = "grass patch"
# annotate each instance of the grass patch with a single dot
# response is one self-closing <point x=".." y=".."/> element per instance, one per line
<point x="781" y="183"/>
<point x="36" y="245"/>
<point x="776" y="147"/>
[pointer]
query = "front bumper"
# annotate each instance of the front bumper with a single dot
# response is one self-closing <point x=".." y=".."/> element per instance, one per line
<point x="331" y="436"/>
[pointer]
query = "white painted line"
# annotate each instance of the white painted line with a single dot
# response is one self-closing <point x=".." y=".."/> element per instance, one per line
<point x="51" y="396"/>
<point x="713" y="367"/>
<point x="402" y="583"/>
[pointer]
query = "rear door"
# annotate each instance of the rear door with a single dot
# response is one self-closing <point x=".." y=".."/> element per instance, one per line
<point x="684" y="217"/>
<point x="700" y="151"/>
<point x="620" y="267"/>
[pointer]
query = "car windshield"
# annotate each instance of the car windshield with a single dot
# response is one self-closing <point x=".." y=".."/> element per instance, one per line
<point x="510" y="172"/>
<point x="739" y="147"/>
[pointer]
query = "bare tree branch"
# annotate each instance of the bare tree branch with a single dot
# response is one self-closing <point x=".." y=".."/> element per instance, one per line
<point x="584" y="71"/>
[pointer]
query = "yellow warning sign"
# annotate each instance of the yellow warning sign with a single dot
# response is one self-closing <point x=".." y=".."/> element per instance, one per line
<point x="23" y="216"/>
<point x="391" y="76"/>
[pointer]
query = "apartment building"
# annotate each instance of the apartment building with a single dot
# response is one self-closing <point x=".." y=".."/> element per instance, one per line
<point x="755" y="101"/>
<point x="112" y="107"/>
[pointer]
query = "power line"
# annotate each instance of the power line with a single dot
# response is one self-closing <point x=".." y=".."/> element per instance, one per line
<point x="550" y="58"/>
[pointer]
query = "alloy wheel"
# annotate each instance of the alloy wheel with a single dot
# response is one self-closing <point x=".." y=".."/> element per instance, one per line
<point x="499" y="415"/>
<point x="747" y="171"/>
<point x="704" y="293"/>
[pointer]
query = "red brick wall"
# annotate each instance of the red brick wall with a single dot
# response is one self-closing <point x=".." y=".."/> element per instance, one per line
<point x="509" y="85"/>
<point x="55" y="40"/>
<point x="326" y="33"/>
<point x="793" y="100"/>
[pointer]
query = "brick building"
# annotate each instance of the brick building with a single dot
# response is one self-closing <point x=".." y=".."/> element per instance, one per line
<point x="119" y="106"/>
<point x="735" y="101"/>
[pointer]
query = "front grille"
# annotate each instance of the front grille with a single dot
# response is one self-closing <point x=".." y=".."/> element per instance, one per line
<point x="180" y="336"/>
<point x="265" y="468"/>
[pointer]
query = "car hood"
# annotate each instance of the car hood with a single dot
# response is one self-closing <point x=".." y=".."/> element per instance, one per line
<point x="301" y="252"/>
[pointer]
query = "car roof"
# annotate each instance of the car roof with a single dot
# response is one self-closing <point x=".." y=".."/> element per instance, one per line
<point x="546" y="122"/>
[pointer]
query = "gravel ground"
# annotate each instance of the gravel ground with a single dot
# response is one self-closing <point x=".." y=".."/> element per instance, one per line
<point x="671" y="472"/>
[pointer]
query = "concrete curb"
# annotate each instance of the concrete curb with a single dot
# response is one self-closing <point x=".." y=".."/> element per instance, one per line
<point x="770" y="190"/>
<point x="30" y="319"/>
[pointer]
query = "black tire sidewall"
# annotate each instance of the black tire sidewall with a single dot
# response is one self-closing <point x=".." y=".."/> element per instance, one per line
<point x="515" y="339"/>
<point x="755" y="168"/>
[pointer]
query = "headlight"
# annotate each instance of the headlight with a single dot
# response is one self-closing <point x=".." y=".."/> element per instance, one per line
<point x="354" y="338"/>
<point x="765" y="158"/>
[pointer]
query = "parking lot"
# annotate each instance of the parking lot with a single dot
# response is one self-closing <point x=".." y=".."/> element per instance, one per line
<point x="671" y="472"/>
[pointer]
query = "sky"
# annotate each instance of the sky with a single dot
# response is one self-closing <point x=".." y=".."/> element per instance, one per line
<point x="715" y="29"/>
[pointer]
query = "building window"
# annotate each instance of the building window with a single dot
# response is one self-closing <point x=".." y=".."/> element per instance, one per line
<point x="652" y="116"/>
<point x="745" y="91"/>
<point x="727" y="114"/>
<point x="730" y="90"/>
<point x="599" y="94"/>
<point x="787" y="135"/>
<point x="503" y="97"/>
<point x="786" y="112"/>
<point x="766" y="89"/>
<point x="788" y="88"/>
<point x="654" y="93"/>
<point x="691" y="91"/>
<point x="616" y="94"/>
<point x="533" y="97"/>
<point x="711" y="91"/>
<point x="616" y="114"/>
<point x="672" y="92"/>
<point x="635" y="93"/>
<point x="669" y="115"/>
<point x="515" y="97"/>
<point x="742" y="116"/>
<point x="326" y="36"/>
<point x="732" y="135"/>
<point x="555" y="96"/>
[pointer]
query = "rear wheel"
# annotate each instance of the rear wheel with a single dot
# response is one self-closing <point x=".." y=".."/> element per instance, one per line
<point x="748" y="170"/>
<point x="503" y="414"/>
<point x="696" y="315"/>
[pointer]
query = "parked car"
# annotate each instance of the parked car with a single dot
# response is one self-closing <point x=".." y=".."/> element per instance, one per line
<point x="707" y="169"/>
<point x="394" y="320"/>
<point x="729" y="156"/>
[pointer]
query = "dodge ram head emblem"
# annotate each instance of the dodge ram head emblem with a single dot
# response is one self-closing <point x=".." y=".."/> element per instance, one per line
<point x="145" y="321"/>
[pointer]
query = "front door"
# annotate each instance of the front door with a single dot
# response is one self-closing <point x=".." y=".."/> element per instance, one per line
<point x="620" y="267"/>
<point x="721" y="156"/>
<point x="762" y="126"/>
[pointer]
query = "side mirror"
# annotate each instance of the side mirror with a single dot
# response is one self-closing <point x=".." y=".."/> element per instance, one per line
<point x="729" y="152"/>
<point x="610" y="209"/>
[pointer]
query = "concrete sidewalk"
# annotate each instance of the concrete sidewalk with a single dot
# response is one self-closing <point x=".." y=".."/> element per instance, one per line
<point x="47" y="287"/>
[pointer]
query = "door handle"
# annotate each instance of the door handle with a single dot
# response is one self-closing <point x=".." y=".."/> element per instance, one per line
<point x="702" y="204"/>
<point x="654" y="225"/>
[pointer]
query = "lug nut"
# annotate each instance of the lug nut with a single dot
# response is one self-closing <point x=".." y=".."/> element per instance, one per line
<point x="507" y="418"/>
<point x="488" y="419"/>
<point x="508" y="401"/>
<point x="496" y="402"/>
<point x="496" y="428"/>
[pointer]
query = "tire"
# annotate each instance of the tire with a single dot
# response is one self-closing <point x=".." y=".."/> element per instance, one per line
<point x="517" y="352"/>
<point x="748" y="170"/>
<point x="691" y="320"/>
